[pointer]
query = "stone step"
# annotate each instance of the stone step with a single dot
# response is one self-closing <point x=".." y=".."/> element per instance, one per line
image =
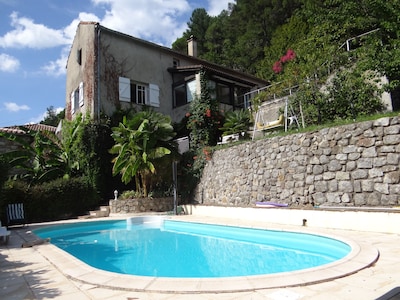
<point x="105" y="208"/>
<point x="103" y="211"/>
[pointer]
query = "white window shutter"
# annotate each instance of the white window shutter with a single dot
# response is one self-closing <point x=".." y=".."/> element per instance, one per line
<point x="154" y="96"/>
<point x="124" y="89"/>
<point x="73" y="102"/>
<point x="81" y="102"/>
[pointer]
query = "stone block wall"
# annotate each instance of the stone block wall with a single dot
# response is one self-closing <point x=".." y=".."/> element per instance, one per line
<point x="351" y="165"/>
<point x="138" y="205"/>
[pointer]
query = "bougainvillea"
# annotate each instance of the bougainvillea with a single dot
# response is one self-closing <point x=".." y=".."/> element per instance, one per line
<point x="278" y="65"/>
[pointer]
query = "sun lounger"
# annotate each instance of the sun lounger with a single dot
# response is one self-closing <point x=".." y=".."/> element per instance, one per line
<point x="15" y="214"/>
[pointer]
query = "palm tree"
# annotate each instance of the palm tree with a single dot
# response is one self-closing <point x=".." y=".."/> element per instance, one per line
<point x="139" y="143"/>
<point x="236" y="121"/>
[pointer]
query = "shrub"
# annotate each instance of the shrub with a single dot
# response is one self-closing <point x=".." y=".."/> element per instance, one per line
<point x="54" y="200"/>
<point x="237" y="121"/>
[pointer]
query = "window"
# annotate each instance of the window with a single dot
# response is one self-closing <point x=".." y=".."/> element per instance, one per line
<point x="139" y="93"/>
<point x="77" y="98"/>
<point x="80" y="94"/>
<point x="74" y="100"/>
<point x="191" y="90"/>
<point x="184" y="93"/>
<point x="176" y="63"/>
<point x="79" y="56"/>
<point x="180" y="95"/>
<point x="222" y="92"/>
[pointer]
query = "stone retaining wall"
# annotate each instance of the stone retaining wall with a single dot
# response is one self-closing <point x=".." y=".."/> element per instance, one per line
<point x="351" y="165"/>
<point x="138" y="205"/>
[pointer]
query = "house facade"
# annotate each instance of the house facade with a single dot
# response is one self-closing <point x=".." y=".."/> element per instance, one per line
<point x="109" y="71"/>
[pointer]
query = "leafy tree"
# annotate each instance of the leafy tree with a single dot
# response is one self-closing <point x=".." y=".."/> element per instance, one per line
<point x="370" y="28"/>
<point x="351" y="94"/>
<point x="86" y="144"/>
<point x="139" y="144"/>
<point x="237" y="37"/>
<point x="220" y="38"/>
<point x="52" y="117"/>
<point x="40" y="156"/>
<point x="197" y="27"/>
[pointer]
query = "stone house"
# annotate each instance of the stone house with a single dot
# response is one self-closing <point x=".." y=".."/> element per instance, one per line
<point x="109" y="71"/>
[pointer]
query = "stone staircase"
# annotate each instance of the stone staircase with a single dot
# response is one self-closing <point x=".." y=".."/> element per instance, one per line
<point x="103" y="211"/>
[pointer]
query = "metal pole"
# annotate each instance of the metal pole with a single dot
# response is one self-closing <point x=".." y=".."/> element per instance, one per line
<point x="175" y="180"/>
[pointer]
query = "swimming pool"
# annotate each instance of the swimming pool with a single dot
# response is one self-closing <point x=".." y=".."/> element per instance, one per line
<point x="160" y="247"/>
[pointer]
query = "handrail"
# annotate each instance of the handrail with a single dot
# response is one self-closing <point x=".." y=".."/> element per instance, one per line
<point x="249" y="95"/>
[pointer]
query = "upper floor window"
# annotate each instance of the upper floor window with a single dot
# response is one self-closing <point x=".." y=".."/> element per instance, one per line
<point x="79" y="56"/>
<point x="138" y="93"/>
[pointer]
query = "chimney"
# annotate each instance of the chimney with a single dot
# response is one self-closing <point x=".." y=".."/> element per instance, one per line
<point x="192" y="46"/>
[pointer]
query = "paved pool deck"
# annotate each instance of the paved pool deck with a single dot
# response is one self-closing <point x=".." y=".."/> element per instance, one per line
<point x="46" y="272"/>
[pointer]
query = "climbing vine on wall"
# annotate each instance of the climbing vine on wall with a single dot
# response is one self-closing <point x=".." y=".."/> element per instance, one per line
<point x="113" y="68"/>
<point x="204" y="117"/>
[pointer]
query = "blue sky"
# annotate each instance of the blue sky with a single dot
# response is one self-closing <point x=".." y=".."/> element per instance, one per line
<point x="35" y="38"/>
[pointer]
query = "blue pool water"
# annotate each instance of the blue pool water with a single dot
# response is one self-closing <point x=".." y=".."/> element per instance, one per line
<point x="181" y="249"/>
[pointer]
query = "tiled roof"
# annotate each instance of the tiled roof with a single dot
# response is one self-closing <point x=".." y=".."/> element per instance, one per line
<point x="34" y="127"/>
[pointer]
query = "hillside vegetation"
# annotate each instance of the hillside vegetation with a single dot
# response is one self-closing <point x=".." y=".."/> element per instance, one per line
<point x="304" y="43"/>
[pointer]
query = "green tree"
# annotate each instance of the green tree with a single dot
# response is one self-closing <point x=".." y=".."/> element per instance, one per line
<point x="352" y="94"/>
<point x="253" y="23"/>
<point x="197" y="27"/>
<point x="40" y="156"/>
<point x="139" y="144"/>
<point x="219" y="41"/>
<point x="52" y="118"/>
<point x="86" y="144"/>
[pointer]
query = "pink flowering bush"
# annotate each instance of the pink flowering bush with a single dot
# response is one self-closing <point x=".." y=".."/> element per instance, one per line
<point x="278" y="65"/>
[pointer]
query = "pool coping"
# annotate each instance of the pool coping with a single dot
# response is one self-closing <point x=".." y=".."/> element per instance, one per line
<point x="361" y="256"/>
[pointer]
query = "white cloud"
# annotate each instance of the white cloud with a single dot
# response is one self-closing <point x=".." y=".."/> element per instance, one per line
<point x="27" y="34"/>
<point x="153" y="20"/>
<point x="8" y="63"/>
<point x="14" y="107"/>
<point x="70" y="30"/>
<point x="57" y="67"/>
<point x="215" y="7"/>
